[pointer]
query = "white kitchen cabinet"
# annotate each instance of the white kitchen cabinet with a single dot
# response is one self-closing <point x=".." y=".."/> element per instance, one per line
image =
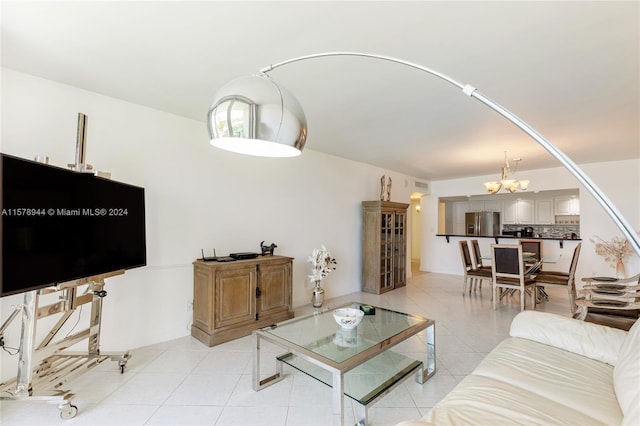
<point x="485" y="205"/>
<point x="509" y="212"/>
<point x="544" y="212"/>
<point x="459" y="209"/>
<point x="567" y="205"/>
<point x="493" y="206"/>
<point x="520" y="211"/>
<point x="476" y="206"/>
<point x="525" y="211"/>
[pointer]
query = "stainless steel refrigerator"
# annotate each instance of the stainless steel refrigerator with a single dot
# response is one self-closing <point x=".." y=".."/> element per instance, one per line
<point x="485" y="224"/>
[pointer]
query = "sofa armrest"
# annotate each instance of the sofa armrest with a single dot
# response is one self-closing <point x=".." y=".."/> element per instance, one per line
<point x="595" y="341"/>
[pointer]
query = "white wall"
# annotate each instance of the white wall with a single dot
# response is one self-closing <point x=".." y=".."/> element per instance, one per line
<point x="200" y="197"/>
<point x="196" y="197"/>
<point x="439" y="256"/>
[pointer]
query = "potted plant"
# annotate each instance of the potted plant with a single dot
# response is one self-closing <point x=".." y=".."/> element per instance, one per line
<point x="322" y="264"/>
<point x="613" y="251"/>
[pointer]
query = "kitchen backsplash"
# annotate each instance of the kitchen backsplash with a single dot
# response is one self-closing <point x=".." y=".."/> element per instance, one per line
<point x="549" y="231"/>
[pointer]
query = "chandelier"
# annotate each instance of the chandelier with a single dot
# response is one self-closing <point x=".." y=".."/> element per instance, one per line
<point x="509" y="184"/>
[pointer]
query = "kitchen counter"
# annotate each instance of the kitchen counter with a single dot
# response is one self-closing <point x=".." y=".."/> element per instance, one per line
<point x="508" y="237"/>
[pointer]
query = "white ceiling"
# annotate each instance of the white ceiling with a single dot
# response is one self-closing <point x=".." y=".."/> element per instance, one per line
<point x="570" y="69"/>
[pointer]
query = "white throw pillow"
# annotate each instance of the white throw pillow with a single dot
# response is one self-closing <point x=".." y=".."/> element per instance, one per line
<point x="626" y="376"/>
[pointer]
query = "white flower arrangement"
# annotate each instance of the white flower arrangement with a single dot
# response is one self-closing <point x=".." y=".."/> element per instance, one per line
<point x="613" y="251"/>
<point x="322" y="264"/>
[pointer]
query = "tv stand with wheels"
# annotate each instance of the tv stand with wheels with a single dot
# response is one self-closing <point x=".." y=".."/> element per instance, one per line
<point x="45" y="369"/>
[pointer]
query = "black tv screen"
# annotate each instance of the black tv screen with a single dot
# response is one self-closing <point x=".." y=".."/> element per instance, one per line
<point x="59" y="225"/>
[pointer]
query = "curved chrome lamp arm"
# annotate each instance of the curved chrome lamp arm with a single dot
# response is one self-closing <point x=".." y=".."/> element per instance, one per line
<point x="471" y="91"/>
<point x="366" y="55"/>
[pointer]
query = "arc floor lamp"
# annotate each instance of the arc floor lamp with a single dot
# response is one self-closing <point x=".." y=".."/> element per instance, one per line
<point x="254" y="115"/>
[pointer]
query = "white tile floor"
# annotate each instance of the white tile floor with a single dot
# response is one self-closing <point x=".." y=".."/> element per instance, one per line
<point x="183" y="382"/>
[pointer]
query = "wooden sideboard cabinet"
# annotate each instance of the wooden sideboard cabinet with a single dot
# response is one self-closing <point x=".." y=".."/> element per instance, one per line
<point x="384" y="246"/>
<point x="230" y="299"/>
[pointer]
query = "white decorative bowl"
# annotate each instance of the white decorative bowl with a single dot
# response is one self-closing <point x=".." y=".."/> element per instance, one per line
<point x="348" y="317"/>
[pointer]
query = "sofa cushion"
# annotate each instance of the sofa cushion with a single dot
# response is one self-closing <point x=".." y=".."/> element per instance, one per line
<point x="587" y="339"/>
<point x="484" y="401"/>
<point x="555" y="372"/>
<point x="578" y="383"/>
<point x="626" y="376"/>
<point x="525" y="382"/>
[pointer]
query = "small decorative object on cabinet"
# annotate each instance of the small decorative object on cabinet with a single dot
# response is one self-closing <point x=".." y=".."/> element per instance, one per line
<point x="322" y="263"/>
<point x="389" y="183"/>
<point x="267" y="249"/>
<point x="385" y="188"/>
<point x="384" y="246"/>
<point x="231" y="299"/>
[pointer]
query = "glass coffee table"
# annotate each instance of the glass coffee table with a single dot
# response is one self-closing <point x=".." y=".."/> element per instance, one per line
<point x="357" y="363"/>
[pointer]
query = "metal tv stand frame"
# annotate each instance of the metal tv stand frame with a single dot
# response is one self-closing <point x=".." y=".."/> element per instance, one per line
<point x="43" y="370"/>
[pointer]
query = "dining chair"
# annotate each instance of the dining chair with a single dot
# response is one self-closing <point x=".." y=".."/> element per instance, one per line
<point x="532" y="246"/>
<point x="618" y="317"/>
<point x="478" y="256"/>
<point x="508" y="272"/>
<point x="563" y="279"/>
<point x="471" y="274"/>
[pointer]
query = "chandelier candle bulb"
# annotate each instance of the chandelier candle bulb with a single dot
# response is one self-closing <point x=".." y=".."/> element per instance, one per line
<point x="509" y="184"/>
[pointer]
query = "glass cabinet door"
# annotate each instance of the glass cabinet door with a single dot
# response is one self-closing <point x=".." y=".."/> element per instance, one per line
<point x="386" y="250"/>
<point x="399" y="250"/>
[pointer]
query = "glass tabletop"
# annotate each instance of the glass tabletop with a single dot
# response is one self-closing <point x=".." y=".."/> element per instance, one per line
<point x="320" y="333"/>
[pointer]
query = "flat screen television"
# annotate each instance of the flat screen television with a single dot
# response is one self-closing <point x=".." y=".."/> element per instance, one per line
<point x="59" y="225"/>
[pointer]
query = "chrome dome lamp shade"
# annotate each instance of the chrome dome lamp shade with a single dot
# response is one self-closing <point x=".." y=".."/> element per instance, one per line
<point x="254" y="115"/>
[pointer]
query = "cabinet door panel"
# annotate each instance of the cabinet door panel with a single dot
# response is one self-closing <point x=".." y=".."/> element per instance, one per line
<point x="235" y="296"/>
<point x="476" y="206"/>
<point x="459" y="210"/>
<point x="399" y="250"/>
<point x="567" y="206"/>
<point x="510" y="215"/>
<point x="372" y="262"/>
<point x="274" y="283"/>
<point x="544" y="211"/>
<point x="386" y="251"/>
<point x="203" y="302"/>
<point x="525" y="211"/>
<point x="518" y="211"/>
<point x="493" y="206"/>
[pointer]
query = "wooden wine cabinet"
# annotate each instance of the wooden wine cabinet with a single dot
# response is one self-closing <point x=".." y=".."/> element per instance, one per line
<point x="384" y="246"/>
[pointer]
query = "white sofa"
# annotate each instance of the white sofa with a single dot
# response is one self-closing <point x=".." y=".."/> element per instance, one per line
<point x="552" y="370"/>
